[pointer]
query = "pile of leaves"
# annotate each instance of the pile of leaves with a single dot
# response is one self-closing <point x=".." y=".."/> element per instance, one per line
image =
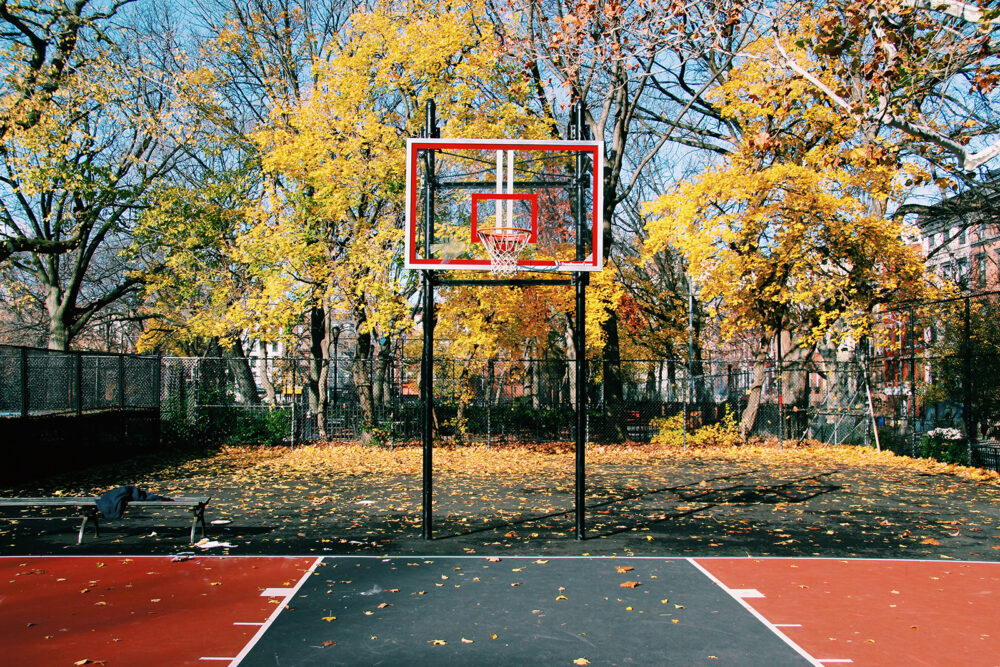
<point x="480" y="460"/>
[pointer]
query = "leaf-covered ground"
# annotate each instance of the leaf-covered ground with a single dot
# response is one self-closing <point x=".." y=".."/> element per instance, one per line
<point x="642" y="500"/>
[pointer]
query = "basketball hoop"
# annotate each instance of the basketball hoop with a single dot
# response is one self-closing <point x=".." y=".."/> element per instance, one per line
<point x="504" y="245"/>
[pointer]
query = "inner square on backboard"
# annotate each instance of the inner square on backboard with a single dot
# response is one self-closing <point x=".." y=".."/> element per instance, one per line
<point x="457" y="187"/>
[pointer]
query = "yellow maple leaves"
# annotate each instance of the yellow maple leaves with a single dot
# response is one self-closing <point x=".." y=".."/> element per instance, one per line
<point x="789" y="230"/>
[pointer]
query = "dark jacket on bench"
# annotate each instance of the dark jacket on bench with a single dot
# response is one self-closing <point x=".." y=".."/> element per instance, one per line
<point x="113" y="503"/>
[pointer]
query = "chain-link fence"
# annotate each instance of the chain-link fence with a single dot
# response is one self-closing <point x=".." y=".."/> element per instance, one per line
<point x="926" y="383"/>
<point x="929" y="372"/>
<point x="855" y="395"/>
<point x="63" y="410"/>
<point x="39" y="382"/>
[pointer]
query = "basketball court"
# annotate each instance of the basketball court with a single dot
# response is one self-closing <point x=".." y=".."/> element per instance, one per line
<point x="497" y="610"/>
<point x="530" y="212"/>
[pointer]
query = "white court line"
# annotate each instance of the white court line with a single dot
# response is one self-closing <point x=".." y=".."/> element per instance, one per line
<point x="214" y="658"/>
<point x="746" y="593"/>
<point x="274" y="615"/>
<point x="788" y="625"/>
<point x="277" y="592"/>
<point x="798" y="649"/>
<point x="249" y="623"/>
<point x="825" y="660"/>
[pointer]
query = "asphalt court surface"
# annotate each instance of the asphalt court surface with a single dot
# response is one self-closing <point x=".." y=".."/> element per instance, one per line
<point x="515" y="611"/>
<point x="451" y="610"/>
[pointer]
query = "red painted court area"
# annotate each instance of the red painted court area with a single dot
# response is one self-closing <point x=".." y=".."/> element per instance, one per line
<point x="139" y="610"/>
<point x="874" y="612"/>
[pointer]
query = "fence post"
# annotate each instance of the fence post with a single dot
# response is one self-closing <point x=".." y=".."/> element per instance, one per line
<point x="121" y="381"/>
<point x="489" y="404"/>
<point x="25" y="399"/>
<point x="970" y="422"/>
<point x="158" y="388"/>
<point x="913" y="387"/>
<point x="79" y="383"/>
<point x="781" y="394"/>
<point x="159" y="380"/>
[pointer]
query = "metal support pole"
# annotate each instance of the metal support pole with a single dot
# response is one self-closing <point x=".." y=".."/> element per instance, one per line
<point x="581" y="404"/>
<point x="427" y="391"/>
<point x="427" y="360"/>
<point x="578" y="130"/>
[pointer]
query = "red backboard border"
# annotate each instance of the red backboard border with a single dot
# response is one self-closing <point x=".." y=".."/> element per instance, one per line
<point x="592" y="148"/>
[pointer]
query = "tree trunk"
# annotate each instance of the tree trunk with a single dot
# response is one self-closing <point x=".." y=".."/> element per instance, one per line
<point x="614" y="388"/>
<point x="572" y="353"/>
<point x="383" y="378"/>
<point x="464" y="397"/>
<point x="749" y="418"/>
<point x="239" y="366"/>
<point x="263" y="377"/>
<point x="59" y="333"/>
<point x="319" y="367"/>
<point x="212" y="383"/>
<point x="361" y="373"/>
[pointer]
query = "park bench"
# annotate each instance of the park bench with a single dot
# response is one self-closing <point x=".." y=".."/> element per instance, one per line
<point x="86" y="507"/>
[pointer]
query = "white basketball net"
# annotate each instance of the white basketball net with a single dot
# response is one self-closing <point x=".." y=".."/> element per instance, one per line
<point x="504" y="246"/>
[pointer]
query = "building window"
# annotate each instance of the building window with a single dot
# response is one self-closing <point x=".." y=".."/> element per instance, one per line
<point x="981" y="269"/>
<point x="961" y="237"/>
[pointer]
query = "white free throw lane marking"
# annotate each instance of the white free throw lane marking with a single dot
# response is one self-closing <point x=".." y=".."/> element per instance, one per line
<point x="274" y="615"/>
<point x="746" y="593"/>
<point x="781" y="635"/>
<point x="277" y="592"/>
<point x="788" y="625"/>
<point x="214" y="658"/>
<point x="825" y="660"/>
<point x="249" y="623"/>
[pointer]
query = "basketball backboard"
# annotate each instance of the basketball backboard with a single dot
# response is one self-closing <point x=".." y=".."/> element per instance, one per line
<point x="456" y="187"/>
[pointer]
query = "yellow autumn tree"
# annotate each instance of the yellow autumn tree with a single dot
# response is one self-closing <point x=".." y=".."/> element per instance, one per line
<point x="788" y="234"/>
<point x="333" y="218"/>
